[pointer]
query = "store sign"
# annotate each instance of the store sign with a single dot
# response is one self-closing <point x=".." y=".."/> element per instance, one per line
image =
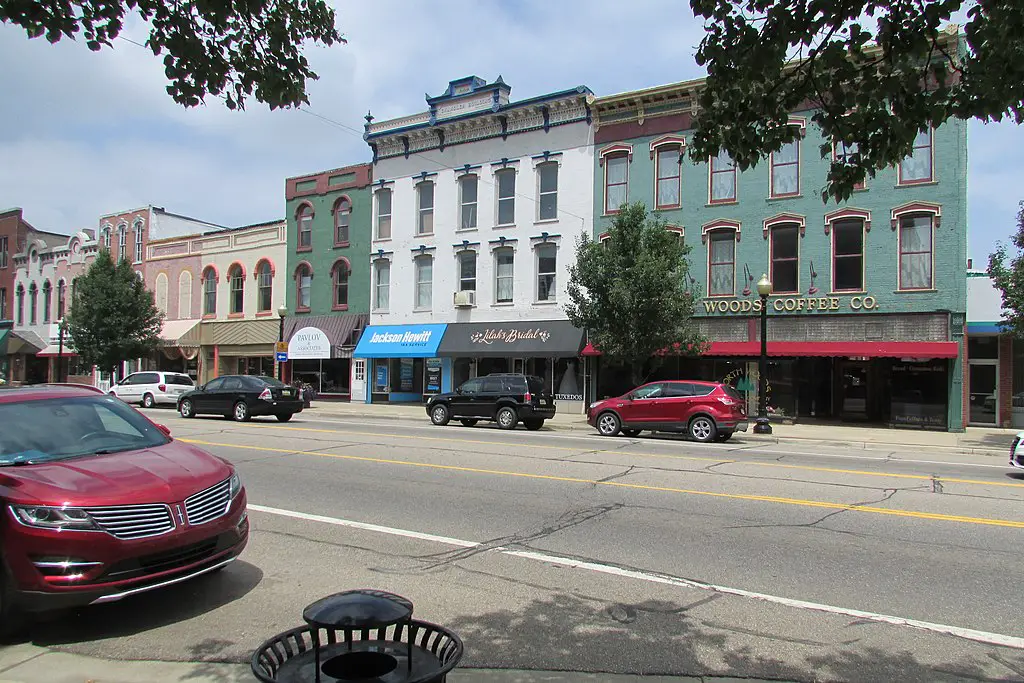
<point x="508" y="336"/>
<point x="433" y="375"/>
<point x="568" y="397"/>
<point x="406" y="366"/>
<point x="795" y="304"/>
<point x="309" y="343"/>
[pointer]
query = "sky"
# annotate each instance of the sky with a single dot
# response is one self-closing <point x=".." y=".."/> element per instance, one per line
<point x="84" y="134"/>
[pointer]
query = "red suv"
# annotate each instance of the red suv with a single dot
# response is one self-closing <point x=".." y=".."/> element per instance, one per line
<point x="97" y="503"/>
<point x="707" y="411"/>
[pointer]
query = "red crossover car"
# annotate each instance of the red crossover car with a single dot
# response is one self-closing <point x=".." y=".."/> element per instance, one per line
<point x="707" y="411"/>
<point x="97" y="503"/>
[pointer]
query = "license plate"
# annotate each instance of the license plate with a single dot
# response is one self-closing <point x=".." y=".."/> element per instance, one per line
<point x="288" y="392"/>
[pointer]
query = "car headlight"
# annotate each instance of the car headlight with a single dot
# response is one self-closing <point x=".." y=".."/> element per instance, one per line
<point x="53" y="517"/>
<point x="236" y="485"/>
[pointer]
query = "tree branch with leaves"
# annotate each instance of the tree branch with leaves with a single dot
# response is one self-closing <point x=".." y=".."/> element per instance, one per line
<point x="232" y="50"/>
<point x="633" y="293"/>
<point x="876" y="72"/>
<point x="1008" y="275"/>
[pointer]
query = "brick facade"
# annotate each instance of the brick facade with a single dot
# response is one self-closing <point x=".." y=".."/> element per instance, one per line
<point x="1005" y="380"/>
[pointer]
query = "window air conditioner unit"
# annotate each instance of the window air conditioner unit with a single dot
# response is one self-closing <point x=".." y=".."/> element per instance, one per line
<point x="465" y="299"/>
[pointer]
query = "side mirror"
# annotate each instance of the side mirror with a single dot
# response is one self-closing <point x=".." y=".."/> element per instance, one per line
<point x="165" y="429"/>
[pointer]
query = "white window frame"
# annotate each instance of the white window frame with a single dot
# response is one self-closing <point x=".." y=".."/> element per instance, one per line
<point x="264" y="284"/>
<point x="236" y="269"/>
<point x="464" y="205"/>
<point x="678" y="149"/>
<point x="122" y="242"/>
<point x="931" y="160"/>
<point x="615" y="157"/>
<point x="462" y="256"/>
<point x="553" y="289"/>
<point x="209" y="292"/>
<point x="509" y="172"/>
<point x="801" y="125"/>
<point x="733" y="234"/>
<point x="424" y="285"/>
<point x="540" y="195"/>
<point x="379" y="216"/>
<point x="498" y="277"/>
<point x="3" y="252"/>
<point x="138" y="241"/>
<point x="379" y="286"/>
<point x="299" y="271"/>
<point x="422" y="212"/>
<point x="900" y="254"/>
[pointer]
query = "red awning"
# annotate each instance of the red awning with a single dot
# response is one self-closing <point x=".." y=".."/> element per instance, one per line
<point x="828" y="349"/>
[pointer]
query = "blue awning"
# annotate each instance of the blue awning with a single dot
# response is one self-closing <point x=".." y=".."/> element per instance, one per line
<point x="400" y="341"/>
<point x="984" y="328"/>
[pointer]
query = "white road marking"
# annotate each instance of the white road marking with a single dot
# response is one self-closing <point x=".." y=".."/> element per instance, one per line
<point x="665" y="579"/>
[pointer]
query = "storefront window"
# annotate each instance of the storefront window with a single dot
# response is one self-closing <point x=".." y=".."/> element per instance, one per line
<point x="568" y="379"/>
<point x="919" y="393"/>
<point x="983" y="348"/>
<point x="328" y="376"/>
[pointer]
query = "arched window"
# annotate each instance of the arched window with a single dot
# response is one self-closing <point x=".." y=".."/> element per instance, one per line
<point x="342" y="217"/>
<point x="33" y="301"/>
<point x="47" y="297"/>
<point x="185" y="295"/>
<point x="62" y="301"/>
<point x="19" y="295"/>
<point x="264" y="286"/>
<point x="138" y="242"/>
<point x="161" y="293"/>
<point x="304" y="219"/>
<point x="122" y="242"/>
<point x="339" y="276"/>
<point x="210" y="291"/>
<point x="236" y="284"/>
<point x="303" y="285"/>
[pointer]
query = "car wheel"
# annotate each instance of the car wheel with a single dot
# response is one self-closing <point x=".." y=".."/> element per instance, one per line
<point x="608" y="424"/>
<point x="148" y="401"/>
<point x="533" y="425"/>
<point x="12" y="619"/>
<point x="186" y="409"/>
<point x="724" y="437"/>
<point x="284" y="417"/>
<point x="240" y="412"/>
<point x="631" y="432"/>
<point x="468" y="423"/>
<point x="507" y="418"/>
<point x="440" y="415"/>
<point x="702" y="428"/>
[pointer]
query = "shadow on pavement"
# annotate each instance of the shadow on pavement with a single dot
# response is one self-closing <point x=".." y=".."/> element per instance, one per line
<point x="147" y="611"/>
<point x="1019" y="476"/>
<point x="660" y="638"/>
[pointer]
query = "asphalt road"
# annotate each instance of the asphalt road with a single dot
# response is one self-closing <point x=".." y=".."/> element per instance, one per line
<point x="575" y="552"/>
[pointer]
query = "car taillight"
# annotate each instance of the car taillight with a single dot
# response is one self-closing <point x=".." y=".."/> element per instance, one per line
<point x="266" y="395"/>
<point x="528" y="397"/>
<point x="728" y="401"/>
<point x="162" y="388"/>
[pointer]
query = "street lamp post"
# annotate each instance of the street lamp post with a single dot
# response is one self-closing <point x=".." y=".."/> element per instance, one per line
<point x="60" y="350"/>
<point x="763" y="426"/>
<point x="282" y="311"/>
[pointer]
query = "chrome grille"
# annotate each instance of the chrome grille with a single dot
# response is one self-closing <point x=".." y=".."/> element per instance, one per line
<point x="209" y="504"/>
<point x="133" y="521"/>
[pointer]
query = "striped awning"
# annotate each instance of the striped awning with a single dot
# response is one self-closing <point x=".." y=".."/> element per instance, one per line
<point x="338" y="329"/>
<point x="24" y="342"/>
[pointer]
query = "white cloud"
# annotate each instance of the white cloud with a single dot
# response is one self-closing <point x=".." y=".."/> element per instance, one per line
<point x="83" y="134"/>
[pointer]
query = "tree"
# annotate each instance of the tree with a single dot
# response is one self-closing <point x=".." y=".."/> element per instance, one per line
<point x="1009" y="279"/>
<point x="113" y="317"/>
<point x="211" y="47"/>
<point x="874" y="88"/>
<point x="632" y="292"/>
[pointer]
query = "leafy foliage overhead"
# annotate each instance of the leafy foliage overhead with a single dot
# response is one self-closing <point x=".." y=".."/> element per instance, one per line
<point x="234" y="50"/>
<point x="113" y="317"/>
<point x="1008" y="274"/>
<point x="632" y="291"/>
<point x="877" y="71"/>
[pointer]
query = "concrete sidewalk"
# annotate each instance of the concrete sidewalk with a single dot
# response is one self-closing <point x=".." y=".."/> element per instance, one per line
<point x="31" y="664"/>
<point x="974" y="441"/>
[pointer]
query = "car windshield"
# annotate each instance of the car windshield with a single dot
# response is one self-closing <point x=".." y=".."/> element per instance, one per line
<point x="62" y="428"/>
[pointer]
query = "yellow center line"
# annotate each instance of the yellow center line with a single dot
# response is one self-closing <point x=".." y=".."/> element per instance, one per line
<point x="640" y="487"/>
<point x="694" y="458"/>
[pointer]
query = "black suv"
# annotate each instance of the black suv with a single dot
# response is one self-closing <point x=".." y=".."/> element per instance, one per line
<point x="503" y="398"/>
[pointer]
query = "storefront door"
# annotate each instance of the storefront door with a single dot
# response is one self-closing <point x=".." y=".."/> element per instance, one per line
<point x="359" y="379"/>
<point x="984" y="392"/>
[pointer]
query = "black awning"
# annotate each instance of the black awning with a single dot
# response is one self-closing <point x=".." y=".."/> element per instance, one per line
<point x="525" y="339"/>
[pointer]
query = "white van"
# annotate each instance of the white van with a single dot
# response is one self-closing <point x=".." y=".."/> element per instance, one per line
<point x="152" y="388"/>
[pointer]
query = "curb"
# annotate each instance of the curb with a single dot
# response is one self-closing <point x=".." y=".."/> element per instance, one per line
<point x="860" y="445"/>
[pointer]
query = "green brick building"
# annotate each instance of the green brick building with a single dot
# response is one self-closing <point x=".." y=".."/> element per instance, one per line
<point x="867" y="316"/>
<point x="328" y="275"/>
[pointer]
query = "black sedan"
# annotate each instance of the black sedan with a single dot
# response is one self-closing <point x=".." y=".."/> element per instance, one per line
<point x="241" y="397"/>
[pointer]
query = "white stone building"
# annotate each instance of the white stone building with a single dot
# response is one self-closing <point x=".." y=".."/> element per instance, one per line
<point x="478" y="203"/>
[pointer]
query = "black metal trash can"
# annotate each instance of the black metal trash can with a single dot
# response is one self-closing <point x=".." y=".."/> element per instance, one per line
<point x="362" y="635"/>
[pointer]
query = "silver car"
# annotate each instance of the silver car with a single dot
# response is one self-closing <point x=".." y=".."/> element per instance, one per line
<point x="149" y="389"/>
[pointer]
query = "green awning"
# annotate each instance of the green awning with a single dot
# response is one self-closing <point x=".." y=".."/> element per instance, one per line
<point x="3" y="342"/>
